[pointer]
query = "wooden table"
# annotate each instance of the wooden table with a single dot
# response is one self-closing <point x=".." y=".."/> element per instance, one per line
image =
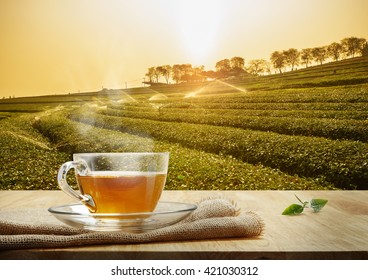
<point x="339" y="231"/>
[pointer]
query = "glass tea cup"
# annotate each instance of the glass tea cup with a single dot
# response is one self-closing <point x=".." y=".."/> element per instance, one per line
<point x="117" y="182"/>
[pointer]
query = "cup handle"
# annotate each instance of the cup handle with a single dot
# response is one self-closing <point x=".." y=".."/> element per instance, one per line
<point x="64" y="186"/>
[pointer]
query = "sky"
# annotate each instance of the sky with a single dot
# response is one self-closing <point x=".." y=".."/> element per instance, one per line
<point x="68" y="46"/>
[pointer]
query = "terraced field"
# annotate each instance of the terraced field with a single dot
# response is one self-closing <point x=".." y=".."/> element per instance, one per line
<point x="307" y="129"/>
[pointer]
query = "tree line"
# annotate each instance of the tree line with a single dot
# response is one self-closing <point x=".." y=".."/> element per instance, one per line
<point x="279" y="61"/>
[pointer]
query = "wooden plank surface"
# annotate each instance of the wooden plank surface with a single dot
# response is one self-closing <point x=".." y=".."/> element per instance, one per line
<point x="339" y="231"/>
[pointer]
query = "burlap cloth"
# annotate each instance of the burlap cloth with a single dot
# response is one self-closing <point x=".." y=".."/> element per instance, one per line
<point x="214" y="218"/>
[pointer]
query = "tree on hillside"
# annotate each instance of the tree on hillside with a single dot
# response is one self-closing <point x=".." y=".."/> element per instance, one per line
<point x="278" y="60"/>
<point x="319" y="54"/>
<point x="363" y="44"/>
<point x="198" y="74"/>
<point x="237" y="66"/>
<point x="365" y="50"/>
<point x="353" y="45"/>
<point x="176" y="73"/>
<point x="165" y="71"/>
<point x="151" y="74"/>
<point x="230" y="67"/>
<point x="183" y="72"/>
<point x="306" y="56"/>
<point x="257" y="66"/>
<point x="237" y="62"/>
<point x="210" y="74"/>
<point x="292" y="57"/>
<point x="156" y="74"/>
<point x="267" y="67"/>
<point x="334" y="51"/>
<point x="187" y="72"/>
<point x="223" y="68"/>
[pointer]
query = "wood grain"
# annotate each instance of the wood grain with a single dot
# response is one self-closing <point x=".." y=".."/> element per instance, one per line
<point x="339" y="231"/>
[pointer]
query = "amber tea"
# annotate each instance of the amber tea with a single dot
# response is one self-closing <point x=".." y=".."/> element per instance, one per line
<point x="123" y="192"/>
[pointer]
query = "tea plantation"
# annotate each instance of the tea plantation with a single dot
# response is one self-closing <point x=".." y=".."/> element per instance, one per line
<point x="305" y="130"/>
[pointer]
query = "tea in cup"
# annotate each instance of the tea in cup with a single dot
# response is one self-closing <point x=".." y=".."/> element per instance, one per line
<point x="117" y="182"/>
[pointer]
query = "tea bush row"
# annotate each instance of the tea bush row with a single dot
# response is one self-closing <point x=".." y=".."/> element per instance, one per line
<point x="310" y="106"/>
<point x="358" y="113"/>
<point x="188" y="169"/>
<point x="202" y="106"/>
<point x="28" y="162"/>
<point x="344" y="163"/>
<point x="338" y="94"/>
<point x="328" y="128"/>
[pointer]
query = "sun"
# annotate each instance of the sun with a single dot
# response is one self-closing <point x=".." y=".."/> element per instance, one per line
<point x="199" y="23"/>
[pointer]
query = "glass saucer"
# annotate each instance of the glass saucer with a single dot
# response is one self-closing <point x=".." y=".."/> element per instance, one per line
<point x="165" y="214"/>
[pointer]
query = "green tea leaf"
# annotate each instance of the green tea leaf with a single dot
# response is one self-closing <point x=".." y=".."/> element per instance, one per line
<point x="317" y="204"/>
<point x="293" y="209"/>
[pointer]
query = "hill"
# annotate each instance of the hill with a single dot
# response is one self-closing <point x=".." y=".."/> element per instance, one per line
<point x="305" y="129"/>
<point x="345" y="72"/>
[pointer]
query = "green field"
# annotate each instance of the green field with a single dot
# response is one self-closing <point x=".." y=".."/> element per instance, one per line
<point x="305" y="129"/>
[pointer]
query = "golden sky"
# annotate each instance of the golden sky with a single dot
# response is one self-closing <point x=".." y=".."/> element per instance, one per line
<point x="62" y="46"/>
